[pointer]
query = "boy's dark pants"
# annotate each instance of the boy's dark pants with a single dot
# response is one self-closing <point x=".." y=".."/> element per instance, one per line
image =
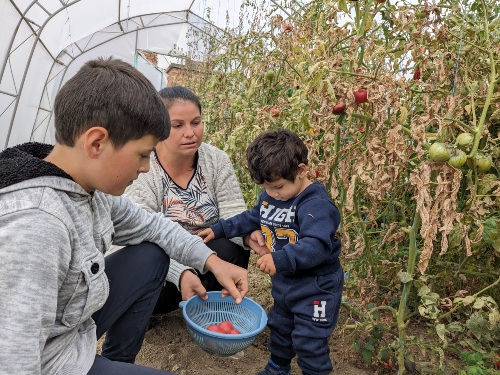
<point x="136" y="275"/>
<point x="304" y="315"/>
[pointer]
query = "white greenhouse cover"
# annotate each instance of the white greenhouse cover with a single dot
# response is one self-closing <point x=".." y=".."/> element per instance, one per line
<point x="44" y="42"/>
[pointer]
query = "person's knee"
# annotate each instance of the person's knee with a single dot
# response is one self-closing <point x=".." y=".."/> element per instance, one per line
<point x="150" y="257"/>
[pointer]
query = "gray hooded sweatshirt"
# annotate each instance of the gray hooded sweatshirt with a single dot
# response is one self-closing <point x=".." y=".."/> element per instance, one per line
<point x="53" y="235"/>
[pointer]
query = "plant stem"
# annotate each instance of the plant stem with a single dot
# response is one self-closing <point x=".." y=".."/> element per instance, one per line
<point x="479" y="128"/>
<point x="400" y="316"/>
<point x="469" y="128"/>
<point x="350" y="73"/>
<point x="365" y="237"/>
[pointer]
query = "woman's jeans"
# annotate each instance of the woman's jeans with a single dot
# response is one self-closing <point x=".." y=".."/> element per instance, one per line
<point x="136" y="276"/>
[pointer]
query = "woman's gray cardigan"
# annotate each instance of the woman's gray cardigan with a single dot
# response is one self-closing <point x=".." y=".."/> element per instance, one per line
<point x="221" y="181"/>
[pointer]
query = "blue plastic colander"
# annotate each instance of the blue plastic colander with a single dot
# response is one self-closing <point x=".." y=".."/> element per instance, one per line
<point x="248" y="317"/>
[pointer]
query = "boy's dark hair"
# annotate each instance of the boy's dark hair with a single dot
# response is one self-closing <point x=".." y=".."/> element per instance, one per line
<point x="114" y="95"/>
<point x="173" y="93"/>
<point x="275" y="154"/>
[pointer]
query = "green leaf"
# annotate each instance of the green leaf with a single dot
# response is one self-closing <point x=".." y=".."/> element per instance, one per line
<point x="471" y="359"/>
<point x="455" y="237"/>
<point x="491" y="233"/>
<point x="343" y="6"/>
<point x="369" y="347"/>
<point x="331" y="91"/>
<point x="367" y="355"/>
<point x="405" y="277"/>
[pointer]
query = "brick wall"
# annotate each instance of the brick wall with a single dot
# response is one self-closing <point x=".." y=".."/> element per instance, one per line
<point x="151" y="57"/>
<point x="175" y="76"/>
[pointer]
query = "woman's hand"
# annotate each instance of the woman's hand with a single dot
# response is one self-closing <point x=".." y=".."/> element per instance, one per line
<point x="234" y="279"/>
<point x="207" y="235"/>
<point x="190" y="285"/>
<point x="256" y="242"/>
<point x="266" y="264"/>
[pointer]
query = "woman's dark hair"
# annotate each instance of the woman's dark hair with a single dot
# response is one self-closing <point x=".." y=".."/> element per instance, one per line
<point x="114" y="95"/>
<point x="275" y="154"/>
<point x="173" y="93"/>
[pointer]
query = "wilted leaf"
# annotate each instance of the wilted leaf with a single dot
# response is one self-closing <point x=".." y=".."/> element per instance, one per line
<point x="479" y="304"/>
<point x="405" y="277"/>
<point x="423" y="290"/>
<point x="477" y="325"/>
<point x="486" y="184"/>
<point x="494" y="318"/>
<point x="441" y="331"/>
<point x="468" y="300"/>
<point x="455" y="327"/>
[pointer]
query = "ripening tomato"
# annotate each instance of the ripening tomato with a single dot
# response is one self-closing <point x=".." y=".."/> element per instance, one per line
<point x="226" y="326"/>
<point x="416" y="75"/>
<point x="338" y="108"/>
<point x="214" y="328"/>
<point x="287" y="26"/>
<point x="361" y="96"/>
<point x="234" y="332"/>
<point x="275" y="112"/>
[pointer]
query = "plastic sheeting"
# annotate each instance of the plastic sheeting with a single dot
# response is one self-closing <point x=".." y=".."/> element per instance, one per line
<point x="44" y="42"/>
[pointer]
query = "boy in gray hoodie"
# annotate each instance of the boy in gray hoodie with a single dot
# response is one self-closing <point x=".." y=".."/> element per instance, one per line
<point x="60" y="210"/>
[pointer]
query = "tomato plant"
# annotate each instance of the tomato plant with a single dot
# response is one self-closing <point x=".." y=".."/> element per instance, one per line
<point x="417" y="223"/>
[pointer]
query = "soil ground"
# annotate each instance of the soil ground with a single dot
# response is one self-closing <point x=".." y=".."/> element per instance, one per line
<point x="168" y="345"/>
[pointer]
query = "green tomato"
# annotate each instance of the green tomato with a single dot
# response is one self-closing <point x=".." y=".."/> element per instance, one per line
<point x="457" y="158"/>
<point x="483" y="162"/>
<point x="421" y="15"/>
<point x="465" y="139"/>
<point x="439" y="152"/>
<point x="270" y="75"/>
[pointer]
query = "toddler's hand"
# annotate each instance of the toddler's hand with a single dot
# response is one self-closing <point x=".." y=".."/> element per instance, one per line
<point x="255" y="241"/>
<point x="207" y="235"/>
<point x="266" y="264"/>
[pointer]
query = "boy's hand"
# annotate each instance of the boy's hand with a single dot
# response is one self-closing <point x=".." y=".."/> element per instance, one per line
<point x="207" y="235"/>
<point x="266" y="264"/>
<point x="255" y="241"/>
<point x="234" y="279"/>
<point x="190" y="285"/>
